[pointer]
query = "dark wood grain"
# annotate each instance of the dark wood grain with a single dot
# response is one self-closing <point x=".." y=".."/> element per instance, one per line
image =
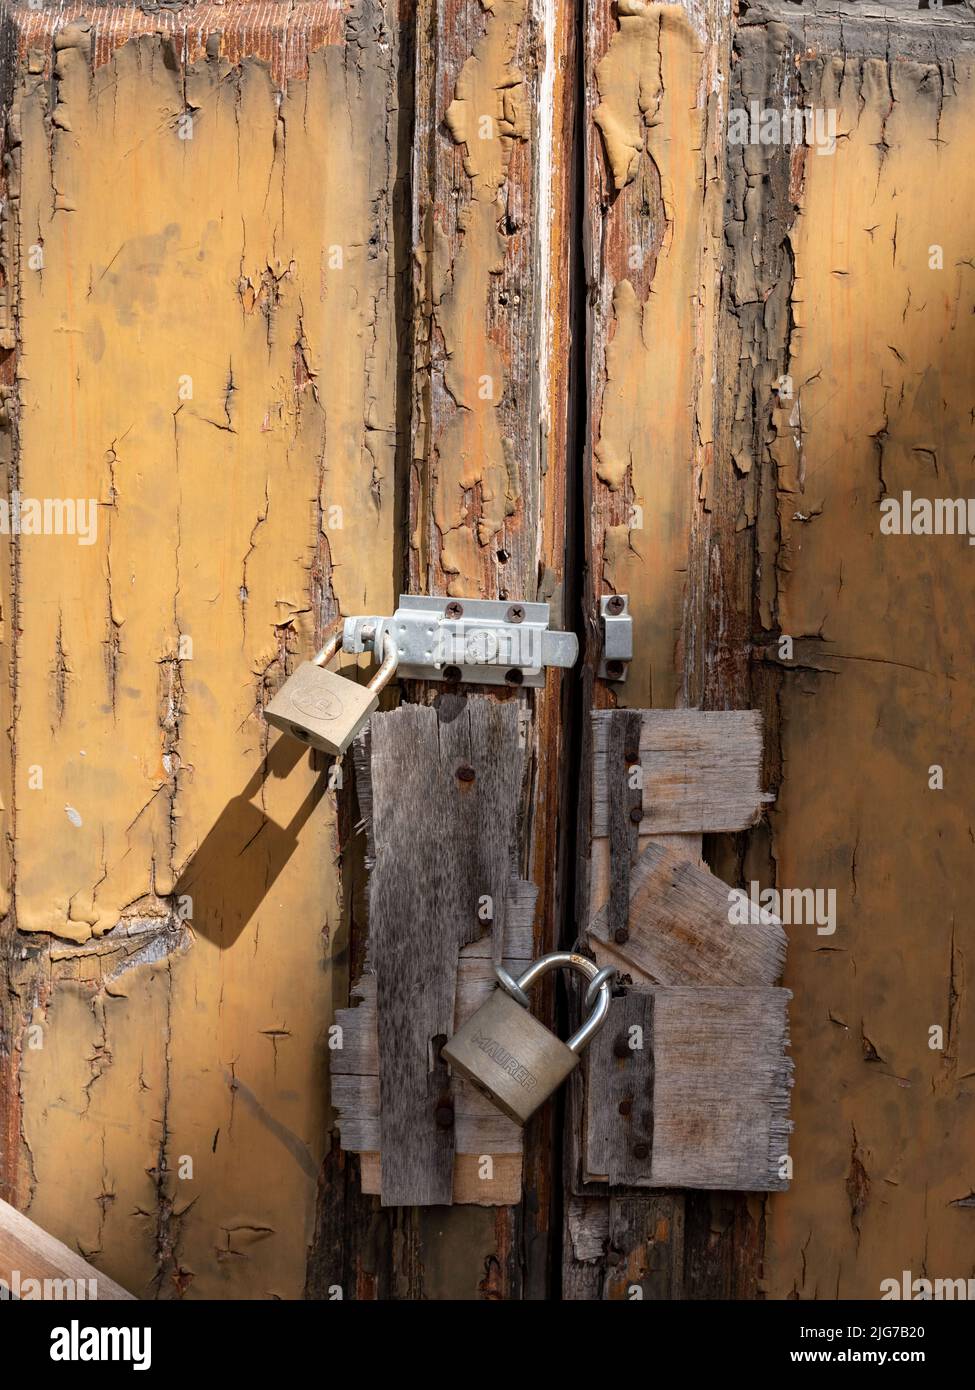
<point x="646" y="1244"/>
<point x="622" y="752"/>
<point x="619" y="1094"/>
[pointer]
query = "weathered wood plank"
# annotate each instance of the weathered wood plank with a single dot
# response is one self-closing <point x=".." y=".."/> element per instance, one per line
<point x="495" y="248"/>
<point x="687" y="846"/>
<point x="619" y="1094"/>
<point x="499" y="1185"/>
<point x="722" y="1083"/>
<point x="180" y="374"/>
<point x="624" y="811"/>
<point x="881" y="688"/>
<point x="480" y="1129"/>
<point x="479" y="227"/>
<point x="684" y="927"/>
<point x="701" y="770"/>
<point x="703" y="1104"/>
<point x="445" y="786"/>
<point x="651" y="198"/>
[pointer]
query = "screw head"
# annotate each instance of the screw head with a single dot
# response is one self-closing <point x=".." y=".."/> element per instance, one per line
<point x="465" y="773"/>
<point x="451" y="674"/>
<point x="641" y="1150"/>
<point x="514" y="676"/>
<point x="615" y="604"/>
<point x="636" y="815"/>
<point x="620" y="935"/>
<point x="454" y="609"/>
<point x="516" y="613"/>
<point x="444" y="1114"/>
<point x="614" y="670"/>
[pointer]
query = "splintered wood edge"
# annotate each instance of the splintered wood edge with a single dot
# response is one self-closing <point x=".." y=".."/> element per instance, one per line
<point x="721" y="750"/>
<point x="778" y="1102"/>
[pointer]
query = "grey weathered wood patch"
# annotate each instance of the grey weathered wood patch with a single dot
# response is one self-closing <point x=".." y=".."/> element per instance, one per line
<point x="445" y="785"/>
<point x="722" y="1083"/>
<point x="721" y="1080"/>
<point x="479" y="1127"/>
<point x="439" y="790"/>
<point x="701" y="770"/>
<point x="680" y="932"/>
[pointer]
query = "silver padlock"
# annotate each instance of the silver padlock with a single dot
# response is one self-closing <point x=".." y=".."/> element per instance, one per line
<point x="322" y="708"/>
<point x="507" y="1055"/>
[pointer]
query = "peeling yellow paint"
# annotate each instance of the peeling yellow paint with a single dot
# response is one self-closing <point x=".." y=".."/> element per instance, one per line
<point x="629" y="79"/>
<point x="206" y="348"/>
<point x="486" y="116"/>
<point x="652" y="122"/>
<point x="881" y="356"/>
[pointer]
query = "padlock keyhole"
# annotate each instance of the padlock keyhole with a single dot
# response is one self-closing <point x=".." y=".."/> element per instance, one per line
<point x="297" y="732"/>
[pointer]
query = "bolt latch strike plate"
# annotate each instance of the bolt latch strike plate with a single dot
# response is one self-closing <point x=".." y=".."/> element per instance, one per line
<point x="614" y="610"/>
<point x="471" y="640"/>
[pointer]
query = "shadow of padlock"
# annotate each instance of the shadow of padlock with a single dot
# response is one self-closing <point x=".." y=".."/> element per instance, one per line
<point x="322" y="708"/>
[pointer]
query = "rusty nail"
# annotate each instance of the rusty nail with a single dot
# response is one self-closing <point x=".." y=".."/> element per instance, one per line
<point x="641" y="1150"/>
<point x="444" y="1114"/>
<point x="615" y="604"/>
<point x="621" y="1048"/>
<point x="515" y="614"/>
<point x="636" y="815"/>
<point x="514" y="676"/>
<point x="454" y="610"/>
<point x="626" y="1106"/>
<point x="465" y="773"/>
<point x="620" y="935"/>
<point x="451" y="674"/>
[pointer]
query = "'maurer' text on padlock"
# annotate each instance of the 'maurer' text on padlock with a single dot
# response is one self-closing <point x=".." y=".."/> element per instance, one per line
<point x="515" y="1069"/>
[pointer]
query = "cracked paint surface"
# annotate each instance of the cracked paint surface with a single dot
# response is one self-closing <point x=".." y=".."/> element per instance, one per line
<point x="880" y="357"/>
<point x="477" y="414"/>
<point x="651" y="119"/>
<point x="205" y="349"/>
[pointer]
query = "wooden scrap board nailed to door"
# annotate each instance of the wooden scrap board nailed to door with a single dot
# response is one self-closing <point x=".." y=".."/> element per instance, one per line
<point x="688" y="1082"/>
<point x="439" y="789"/>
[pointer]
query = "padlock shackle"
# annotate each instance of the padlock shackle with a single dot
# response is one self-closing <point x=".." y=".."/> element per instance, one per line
<point x="564" y="960"/>
<point x="387" y="668"/>
<point x="332" y="643"/>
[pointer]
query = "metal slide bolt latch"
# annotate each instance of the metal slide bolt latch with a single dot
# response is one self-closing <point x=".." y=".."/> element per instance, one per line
<point x="507" y="1055"/>
<point x="468" y="640"/>
<point x="322" y="708"/>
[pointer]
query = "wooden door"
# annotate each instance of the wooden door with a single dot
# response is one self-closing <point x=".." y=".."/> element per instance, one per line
<point x="306" y="306"/>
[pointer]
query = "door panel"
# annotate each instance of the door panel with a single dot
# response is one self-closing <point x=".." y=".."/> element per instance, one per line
<point x="306" y="306"/>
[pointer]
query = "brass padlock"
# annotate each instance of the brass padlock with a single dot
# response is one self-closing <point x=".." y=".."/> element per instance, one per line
<point x="322" y="708"/>
<point x="507" y="1055"/>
